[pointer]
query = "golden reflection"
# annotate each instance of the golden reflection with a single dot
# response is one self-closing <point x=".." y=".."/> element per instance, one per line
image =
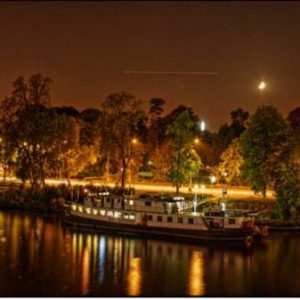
<point x="134" y="278"/>
<point x="95" y="250"/>
<point x="85" y="271"/>
<point x="196" y="282"/>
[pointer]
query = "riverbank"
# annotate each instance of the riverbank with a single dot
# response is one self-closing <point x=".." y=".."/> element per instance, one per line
<point x="54" y="199"/>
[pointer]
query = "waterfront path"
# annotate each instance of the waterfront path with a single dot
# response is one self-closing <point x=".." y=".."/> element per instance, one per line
<point x="233" y="192"/>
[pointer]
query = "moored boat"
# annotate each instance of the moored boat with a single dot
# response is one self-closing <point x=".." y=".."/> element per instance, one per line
<point x="161" y="217"/>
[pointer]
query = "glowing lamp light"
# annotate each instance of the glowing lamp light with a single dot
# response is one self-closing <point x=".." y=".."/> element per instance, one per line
<point x="202" y="125"/>
<point x="213" y="179"/>
<point x="95" y="211"/>
<point x="262" y="85"/>
<point x="74" y="207"/>
<point x="223" y="207"/>
<point x="202" y="188"/>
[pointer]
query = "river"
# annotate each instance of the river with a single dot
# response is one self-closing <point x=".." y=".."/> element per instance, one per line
<point x="39" y="257"/>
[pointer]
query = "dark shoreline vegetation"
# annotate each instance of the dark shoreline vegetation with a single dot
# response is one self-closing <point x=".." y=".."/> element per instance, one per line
<point x="123" y="142"/>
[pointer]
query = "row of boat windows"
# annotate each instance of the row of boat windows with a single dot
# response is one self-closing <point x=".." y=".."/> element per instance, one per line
<point x="169" y="219"/>
<point x="102" y="212"/>
<point x="130" y="202"/>
<point x="131" y="216"/>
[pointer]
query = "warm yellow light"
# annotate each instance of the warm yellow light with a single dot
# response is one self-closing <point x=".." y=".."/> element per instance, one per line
<point x="131" y="202"/>
<point x="95" y="211"/>
<point x="134" y="277"/>
<point x="196" y="187"/>
<point x="74" y="206"/>
<point x="196" y="285"/>
<point x="117" y="214"/>
<point x="196" y="141"/>
<point x="213" y="179"/>
<point x="262" y="85"/>
<point x="80" y="209"/>
<point x="134" y="141"/>
<point x="88" y="210"/>
<point x="102" y="212"/>
<point x="132" y="217"/>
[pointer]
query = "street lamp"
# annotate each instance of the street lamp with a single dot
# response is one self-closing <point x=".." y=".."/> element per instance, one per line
<point x="133" y="141"/>
<point x="196" y="141"/>
<point x="202" y="189"/>
<point x="202" y="125"/>
<point x="195" y="198"/>
<point x="213" y="179"/>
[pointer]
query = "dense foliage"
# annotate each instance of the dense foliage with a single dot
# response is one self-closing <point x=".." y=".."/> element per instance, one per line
<point x="123" y="138"/>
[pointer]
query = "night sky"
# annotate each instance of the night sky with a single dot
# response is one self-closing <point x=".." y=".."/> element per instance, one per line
<point x="86" y="47"/>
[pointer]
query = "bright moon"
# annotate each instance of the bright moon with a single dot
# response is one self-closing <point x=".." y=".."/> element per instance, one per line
<point x="262" y="85"/>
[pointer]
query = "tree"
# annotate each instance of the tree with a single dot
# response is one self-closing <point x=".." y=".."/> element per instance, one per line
<point x="261" y="147"/>
<point x="231" y="162"/>
<point x="180" y="133"/>
<point x="33" y="92"/>
<point x="294" y="119"/>
<point x="68" y="111"/>
<point x="155" y="129"/>
<point x="287" y="190"/>
<point x="90" y="118"/>
<point x="156" y="107"/>
<point x="36" y="135"/>
<point x="287" y="184"/>
<point x="227" y="133"/>
<point x="122" y="121"/>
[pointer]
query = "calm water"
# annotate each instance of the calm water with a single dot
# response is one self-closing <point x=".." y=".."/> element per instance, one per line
<point x="39" y="257"/>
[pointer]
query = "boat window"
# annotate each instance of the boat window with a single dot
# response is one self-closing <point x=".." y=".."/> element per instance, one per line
<point x="180" y="220"/>
<point x="132" y="217"/>
<point x="147" y="203"/>
<point x="110" y="213"/>
<point x="159" y="219"/>
<point x="117" y="214"/>
<point x="231" y="221"/>
<point x="191" y="221"/>
<point x="170" y="219"/>
<point x="150" y="218"/>
<point x="126" y="215"/>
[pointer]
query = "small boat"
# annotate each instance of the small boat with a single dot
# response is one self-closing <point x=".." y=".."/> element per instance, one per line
<point x="162" y="217"/>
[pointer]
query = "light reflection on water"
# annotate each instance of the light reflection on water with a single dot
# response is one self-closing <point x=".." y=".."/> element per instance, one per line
<point x="134" y="278"/>
<point x="196" y="283"/>
<point x="40" y="257"/>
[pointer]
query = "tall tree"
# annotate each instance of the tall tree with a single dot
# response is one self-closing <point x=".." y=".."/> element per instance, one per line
<point x="125" y="117"/>
<point x="261" y="147"/>
<point x="36" y="135"/>
<point x="155" y="130"/>
<point x="181" y="135"/>
<point x="231" y="162"/>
